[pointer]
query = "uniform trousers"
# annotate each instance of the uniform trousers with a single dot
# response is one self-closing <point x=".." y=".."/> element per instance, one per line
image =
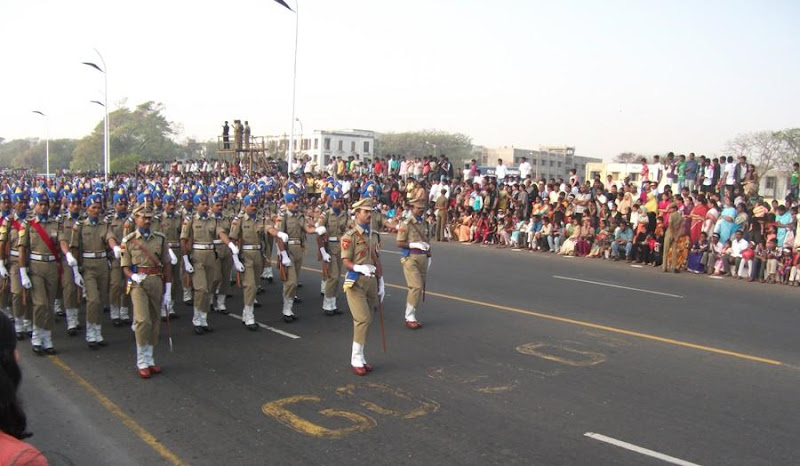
<point x="415" y="269"/>
<point x="95" y="277"/>
<point x="44" y="278"/>
<point x="21" y="311"/>
<point x="146" y="298"/>
<point x="334" y="274"/>
<point x="205" y="263"/>
<point x="296" y="252"/>
<point x="362" y="297"/>
<point x="253" y="266"/>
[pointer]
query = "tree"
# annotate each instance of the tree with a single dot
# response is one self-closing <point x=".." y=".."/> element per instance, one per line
<point x="141" y="134"/>
<point x="456" y="146"/>
<point x="764" y="149"/>
<point x="628" y="157"/>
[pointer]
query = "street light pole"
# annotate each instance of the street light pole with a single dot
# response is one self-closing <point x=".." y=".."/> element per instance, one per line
<point x="46" y="142"/>
<point x="301" y="134"/>
<point x="106" y="145"/>
<point x="294" y="83"/>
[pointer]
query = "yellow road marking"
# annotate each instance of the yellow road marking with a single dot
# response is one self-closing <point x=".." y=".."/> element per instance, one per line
<point x="589" y="358"/>
<point x="278" y="410"/>
<point x="582" y="323"/>
<point x="143" y="434"/>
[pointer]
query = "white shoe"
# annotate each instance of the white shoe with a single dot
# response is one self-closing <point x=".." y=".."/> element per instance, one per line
<point x="114" y="313"/>
<point x="411" y="313"/>
<point x="248" y="316"/>
<point x="72" y="319"/>
<point x="197" y="319"/>
<point x="124" y="314"/>
<point x="220" y="303"/>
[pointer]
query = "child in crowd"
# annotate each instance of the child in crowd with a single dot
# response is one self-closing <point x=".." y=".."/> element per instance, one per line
<point x="719" y="265"/>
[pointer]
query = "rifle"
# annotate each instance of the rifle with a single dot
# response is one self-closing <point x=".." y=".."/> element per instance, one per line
<point x="378" y="275"/>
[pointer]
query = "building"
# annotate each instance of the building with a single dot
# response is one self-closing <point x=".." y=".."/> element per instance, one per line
<point x="774" y="185"/>
<point x="322" y="145"/>
<point x="547" y="162"/>
<point x="618" y="171"/>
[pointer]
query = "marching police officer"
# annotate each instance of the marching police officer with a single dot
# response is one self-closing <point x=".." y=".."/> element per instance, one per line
<point x="143" y="262"/>
<point x="290" y="227"/>
<point x="415" y="258"/>
<point x="247" y="229"/>
<point x="221" y="283"/>
<point x="119" y="300"/>
<point x="71" y="292"/>
<point x="331" y="225"/>
<point x="361" y="288"/>
<point x="91" y="238"/>
<point x="10" y="237"/>
<point x="169" y="224"/>
<point x="5" y="281"/>
<point x="37" y="249"/>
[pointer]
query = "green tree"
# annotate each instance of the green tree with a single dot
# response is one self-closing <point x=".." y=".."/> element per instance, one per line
<point x="141" y="134"/>
<point x="456" y="146"/>
<point x="628" y="157"/>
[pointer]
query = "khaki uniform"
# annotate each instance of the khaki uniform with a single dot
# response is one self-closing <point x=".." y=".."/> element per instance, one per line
<point x="441" y="217"/>
<point x="5" y="283"/>
<point x="247" y="233"/>
<point x="119" y="300"/>
<point x="336" y="226"/>
<point x="294" y="226"/>
<point x="170" y="227"/>
<point x="222" y="280"/>
<point x="200" y="233"/>
<point x="146" y="296"/>
<point x="70" y="292"/>
<point x="270" y="212"/>
<point x="362" y="295"/>
<point x="43" y="271"/>
<point x="10" y="233"/>
<point x="415" y="264"/>
<point x="90" y="240"/>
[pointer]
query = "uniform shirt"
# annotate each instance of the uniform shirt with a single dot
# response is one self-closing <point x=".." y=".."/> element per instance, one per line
<point x="168" y="225"/>
<point x="34" y="241"/>
<point x="200" y="230"/>
<point x="355" y="246"/>
<point x="67" y="225"/>
<point x="12" y="229"/>
<point x="411" y="230"/>
<point x="293" y="224"/>
<point x="121" y="225"/>
<point x="133" y="254"/>
<point x="88" y="237"/>
<point x="248" y="230"/>
<point x="336" y="224"/>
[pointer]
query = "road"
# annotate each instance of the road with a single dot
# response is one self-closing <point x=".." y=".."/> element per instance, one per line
<point x="523" y="359"/>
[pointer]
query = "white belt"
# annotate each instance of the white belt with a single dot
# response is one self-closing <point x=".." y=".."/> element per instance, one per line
<point x="14" y="253"/>
<point x="43" y="257"/>
<point x="294" y="241"/>
<point x="217" y="242"/>
<point x="202" y="246"/>
<point x="333" y="240"/>
<point x="94" y="255"/>
<point x="251" y="247"/>
<point x="174" y="245"/>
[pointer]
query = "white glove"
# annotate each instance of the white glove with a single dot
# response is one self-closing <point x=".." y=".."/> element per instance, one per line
<point x="429" y="264"/>
<point x="285" y="259"/>
<point x="233" y="248"/>
<point x="167" y="295"/>
<point x="173" y="259"/>
<point x="3" y="270"/>
<point x="367" y="270"/>
<point x="187" y="265"/>
<point x="419" y="245"/>
<point x="26" y="281"/>
<point x="321" y="230"/>
<point x="381" y="289"/>
<point x="325" y="256"/>
<point x="71" y="261"/>
<point x="117" y="252"/>
<point x="238" y="264"/>
<point x="138" y="277"/>
<point x="77" y="277"/>
<point x="283" y="236"/>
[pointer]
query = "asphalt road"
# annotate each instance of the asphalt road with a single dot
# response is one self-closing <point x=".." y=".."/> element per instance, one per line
<point x="523" y="359"/>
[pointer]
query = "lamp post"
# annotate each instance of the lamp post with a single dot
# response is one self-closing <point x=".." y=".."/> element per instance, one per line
<point x="106" y="146"/>
<point x="435" y="152"/>
<point x="46" y="142"/>
<point x="301" y="134"/>
<point x="294" y="81"/>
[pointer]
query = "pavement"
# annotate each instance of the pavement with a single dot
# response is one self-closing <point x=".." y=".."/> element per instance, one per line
<point x="524" y="358"/>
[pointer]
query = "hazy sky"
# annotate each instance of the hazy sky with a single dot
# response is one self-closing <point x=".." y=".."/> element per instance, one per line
<point x="605" y="76"/>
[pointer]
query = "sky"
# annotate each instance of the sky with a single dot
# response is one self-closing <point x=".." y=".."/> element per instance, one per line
<point x="604" y="76"/>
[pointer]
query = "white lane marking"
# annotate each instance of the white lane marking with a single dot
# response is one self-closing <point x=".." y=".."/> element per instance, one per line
<point x="636" y="266"/>
<point x="637" y="449"/>
<point x="618" y="286"/>
<point x="715" y="277"/>
<point x="391" y="252"/>
<point x="267" y="327"/>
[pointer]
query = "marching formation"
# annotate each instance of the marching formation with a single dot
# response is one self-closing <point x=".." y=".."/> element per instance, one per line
<point x="133" y="250"/>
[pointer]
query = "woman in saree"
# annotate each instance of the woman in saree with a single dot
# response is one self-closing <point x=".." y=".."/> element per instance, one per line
<point x="712" y="217"/>
<point x="698" y="217"/>
<point x="584" y="242"/>
<point x="465" y="226"/>
<point x="727" y="224"/>
<point x="572" y="232"/>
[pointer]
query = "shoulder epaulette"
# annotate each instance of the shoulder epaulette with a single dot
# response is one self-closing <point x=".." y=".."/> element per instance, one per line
<point x="158" y="233"/>
<point x="128" y="236"/>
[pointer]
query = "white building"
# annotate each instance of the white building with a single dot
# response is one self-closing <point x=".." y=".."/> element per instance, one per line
<point x="618" y="171"/>
<point x="547" y="162"/>
<point x="322" y="145"/>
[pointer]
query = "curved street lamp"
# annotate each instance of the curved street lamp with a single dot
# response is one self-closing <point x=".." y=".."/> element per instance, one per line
<point x="47" y="141"/>
<point x="106" y="145"/>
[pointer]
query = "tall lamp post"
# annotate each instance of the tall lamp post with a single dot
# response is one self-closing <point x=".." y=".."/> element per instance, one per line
<point x="46" y="142"/>
<point x="301" y="134"/>
<point x="106" y="146"/>
<point x="294" y="79"/>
